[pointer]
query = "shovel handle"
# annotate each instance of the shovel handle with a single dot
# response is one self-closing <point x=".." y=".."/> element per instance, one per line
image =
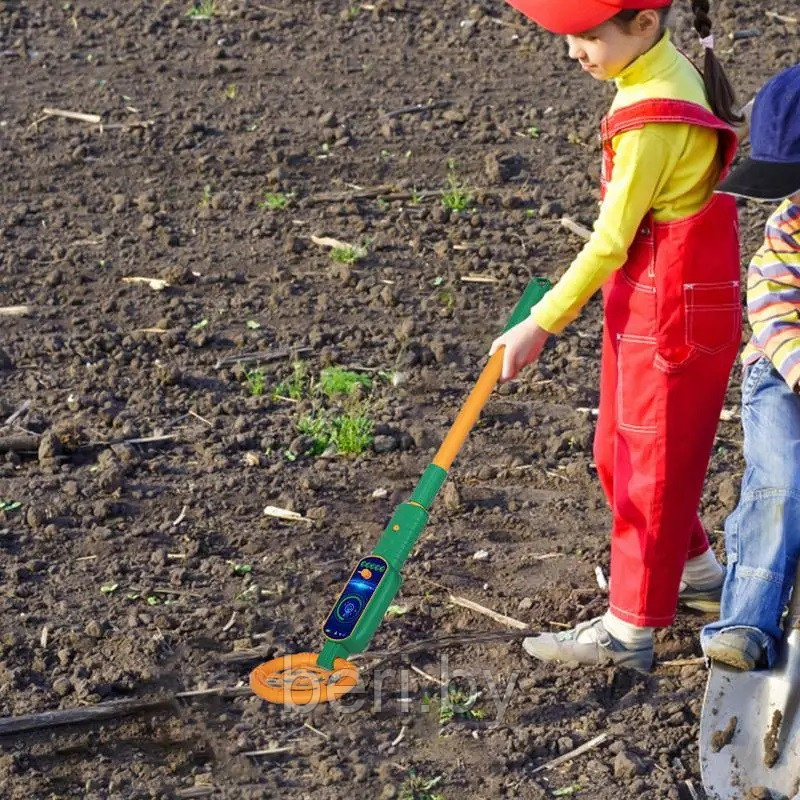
<point x="793" y="620"/>
<point x="471" y="410"/>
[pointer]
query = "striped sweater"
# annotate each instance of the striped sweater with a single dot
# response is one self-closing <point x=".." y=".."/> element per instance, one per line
<point x="773" y="295"/>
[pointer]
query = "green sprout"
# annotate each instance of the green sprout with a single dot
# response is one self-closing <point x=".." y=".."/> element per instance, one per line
<point x="205" y="9"/>
<point x="353" y="433"/>
<point x="350" y="433"/>
<point x="256" y="381"/>
<point x="276" y="201"/>
<point x="348" y="254"/>
<point x="241" y="569"/>
<point x="231" y="91"/>
<point x="205" y="199"/>
<point x="533" y="132"/>
<point x="416" y="787"/>
<point x="458" y="705"/>
<point x="456" y="197"/>
<point x="293" y="387"/>
<point x="447" y="297"/>
<point x="337" y="381"/>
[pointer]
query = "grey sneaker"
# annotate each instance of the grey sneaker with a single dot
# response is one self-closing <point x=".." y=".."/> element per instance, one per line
<point x="705" y="600"/>
<point x="564" y="646"/>
<point x="739" y="648"/>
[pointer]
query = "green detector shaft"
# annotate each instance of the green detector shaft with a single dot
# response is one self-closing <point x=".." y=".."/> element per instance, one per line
<point x="377" y="578"/>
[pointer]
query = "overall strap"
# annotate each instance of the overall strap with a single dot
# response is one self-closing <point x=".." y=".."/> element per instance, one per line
<point x="640" y="114"/>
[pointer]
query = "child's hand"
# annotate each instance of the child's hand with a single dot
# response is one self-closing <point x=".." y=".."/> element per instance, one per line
<point x="523" y="345"/>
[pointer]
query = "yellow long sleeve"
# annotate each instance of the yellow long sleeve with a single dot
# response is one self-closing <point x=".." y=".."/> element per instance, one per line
<point x="643" y="162"/>
<point x="670" y="169"/>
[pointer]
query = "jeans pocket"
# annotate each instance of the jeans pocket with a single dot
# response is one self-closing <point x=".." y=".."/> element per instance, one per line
<point x="713" y="315"/>
<point x="753" y="376"/>
<point x="637" y="381"/>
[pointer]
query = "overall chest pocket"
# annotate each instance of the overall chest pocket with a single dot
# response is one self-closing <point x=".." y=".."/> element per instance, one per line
<point x="713" y="315"/>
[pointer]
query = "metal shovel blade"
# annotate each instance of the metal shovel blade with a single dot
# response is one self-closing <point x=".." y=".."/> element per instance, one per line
<point x="750" y="726"/>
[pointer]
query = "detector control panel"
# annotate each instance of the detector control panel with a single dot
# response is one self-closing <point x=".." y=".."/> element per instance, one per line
<point x="353" y="600"/>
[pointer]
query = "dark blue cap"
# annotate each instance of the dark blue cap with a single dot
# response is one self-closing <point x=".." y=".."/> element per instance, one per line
<point x="773" y="170"/>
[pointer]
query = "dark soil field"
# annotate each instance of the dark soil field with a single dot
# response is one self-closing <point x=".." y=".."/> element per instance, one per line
<point x="135" y="558"/>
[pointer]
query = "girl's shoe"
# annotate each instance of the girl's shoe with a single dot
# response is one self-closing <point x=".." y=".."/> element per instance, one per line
<point x="705" y="600"/>
<point x="603" y="649"/>
<point x="739" y="648"/>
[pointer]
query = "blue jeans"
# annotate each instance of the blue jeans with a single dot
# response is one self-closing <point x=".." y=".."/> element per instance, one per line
<point x="762" y="536"/>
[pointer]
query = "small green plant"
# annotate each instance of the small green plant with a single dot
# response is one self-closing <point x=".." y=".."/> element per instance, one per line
<point x="205" y="9"/>
<point x="276" y="201"/>
<point x="533" y="132"/>
<point x="350" y="433"/>
<point x="10" y="505"/>
<point x="447" y="297"/>
<point x="205" y="199"/>
<point x="240" y="569"/>
<point x="294" y="387"/>
<point x="568" y="791"/>
<point x="256" y="381"/>
<point x="109" y="588"/>
<point x="383" y="205"/>
<point x="348" y="254"/>
<point x="231" y="91"/>
<point x="456" y="197"/>
<point x="417" y="787"/>
<point x="337" y="381"/>
<point x="319" y="430"/>
<point x="352" y="12"/>
<point x="458" y="705"/>
<point x="416" y="197"/>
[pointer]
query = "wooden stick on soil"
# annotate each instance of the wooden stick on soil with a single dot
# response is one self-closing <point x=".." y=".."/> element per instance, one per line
<point x="14" y="311"/>
<point x="473" y="606"/>
<point x="426" y="676"/>
<point x="18" y="413"/>
<point x="76" y="115"/>
<point x="110" y="710"/>
<point x="316" y="730"/>
<point x="682" y="662"/>
<point x="416" y="108"/>
<point x="782" y="18"/>
<point x="578" y="751"/>
<point x="19" y="443"/>
<point x="575" y="227"/>
<point x="264" y="358"/>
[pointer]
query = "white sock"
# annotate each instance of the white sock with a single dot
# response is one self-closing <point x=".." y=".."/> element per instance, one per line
<point x="633" y="637"/>
<point x="703" y="572"/>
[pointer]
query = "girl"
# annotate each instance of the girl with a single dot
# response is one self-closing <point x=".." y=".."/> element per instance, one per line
<point x="665" y="251"/>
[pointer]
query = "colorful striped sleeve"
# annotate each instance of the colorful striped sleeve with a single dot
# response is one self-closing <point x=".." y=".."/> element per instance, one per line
<point x="773" y="295"/>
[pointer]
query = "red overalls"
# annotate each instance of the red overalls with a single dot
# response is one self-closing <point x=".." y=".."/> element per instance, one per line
<point x="671" y="334"/>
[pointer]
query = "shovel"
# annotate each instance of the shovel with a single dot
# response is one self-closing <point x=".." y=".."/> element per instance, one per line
<point x="750" y="724"/>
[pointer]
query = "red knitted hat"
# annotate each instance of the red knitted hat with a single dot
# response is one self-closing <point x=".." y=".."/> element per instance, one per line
<point x="577" y="16"/>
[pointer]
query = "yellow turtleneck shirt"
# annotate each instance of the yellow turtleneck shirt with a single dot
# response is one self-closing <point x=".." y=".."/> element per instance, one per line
<point x="668" y="168"/>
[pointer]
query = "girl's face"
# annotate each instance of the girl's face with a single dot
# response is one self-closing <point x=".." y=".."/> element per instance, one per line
<point x="606" y="50"/>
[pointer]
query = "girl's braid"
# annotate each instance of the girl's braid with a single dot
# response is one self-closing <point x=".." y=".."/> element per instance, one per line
<point x="702" y="21"/>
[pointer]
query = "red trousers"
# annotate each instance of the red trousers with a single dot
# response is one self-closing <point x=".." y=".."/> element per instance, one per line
<point x="672" y="331"/>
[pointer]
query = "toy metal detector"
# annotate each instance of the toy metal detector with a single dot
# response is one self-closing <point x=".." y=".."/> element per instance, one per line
<point x="308" y="678"/>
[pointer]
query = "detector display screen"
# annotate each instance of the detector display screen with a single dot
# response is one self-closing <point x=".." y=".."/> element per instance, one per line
<point x="353" y="600"/>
